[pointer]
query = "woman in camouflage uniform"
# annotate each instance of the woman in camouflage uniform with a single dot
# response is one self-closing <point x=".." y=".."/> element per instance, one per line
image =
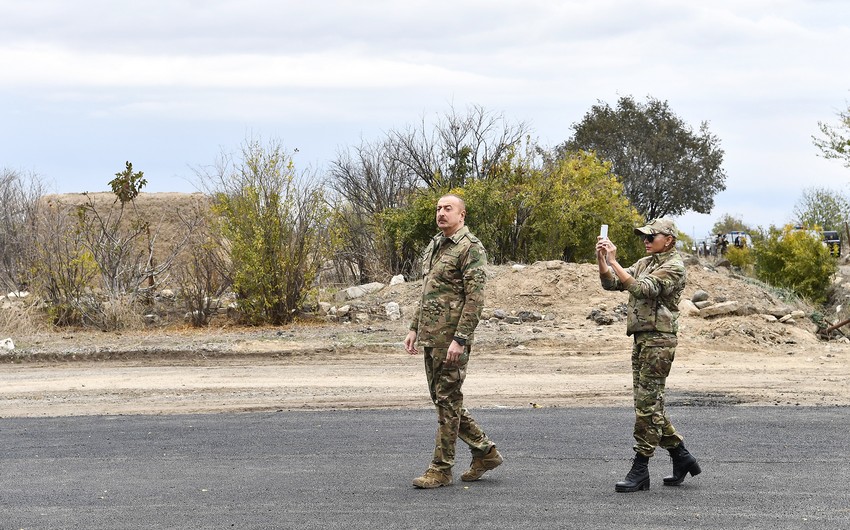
<point x="655" y="284"/>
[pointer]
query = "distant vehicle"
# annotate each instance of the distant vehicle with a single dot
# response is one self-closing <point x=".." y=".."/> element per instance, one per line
<point x="833" y="241"/>
<point x="737" y="238"/>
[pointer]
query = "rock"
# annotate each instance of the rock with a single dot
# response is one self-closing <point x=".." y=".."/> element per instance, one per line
<point x="699" y="296"/>
<point x="601" y="317"/>
<point x="768" y="318"/>
<point x="397" y="280"/>
<point x="343" y="311"/>
<point x="324" y="308"/>
<point x="7" y="344"/>
<point x="778" y="312"/>
<point x="554" y="265"/>
<point x="194" y="316"/>
<point x="529" y="316"/>
<point x="359" y="291"/>
<point x="798" y="313"/>
<point x="513" y="320"/>
<point x="723" y="308"/>
<point x="746" y="310"/>
<point x="703" y="304"/>
<point x="393" y="310"/>
<point x="500" y="313"/>
<point x="687" y="308"/>
<point x="361" y="318"/>
<point x="786" y="318"/>
<point x="723" y="262"/>
<point x="17" y="295"/>
<point x="517" y="267"/>
<point x="167" y="294"/>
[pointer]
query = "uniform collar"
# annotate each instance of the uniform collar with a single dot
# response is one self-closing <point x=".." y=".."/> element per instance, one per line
<point x="663" y="256"/>
<point x="439" y="238"/>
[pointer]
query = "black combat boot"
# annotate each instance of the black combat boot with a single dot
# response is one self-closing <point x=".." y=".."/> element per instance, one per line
<point x="683" y="463"/>
<point x="638" y="477"/>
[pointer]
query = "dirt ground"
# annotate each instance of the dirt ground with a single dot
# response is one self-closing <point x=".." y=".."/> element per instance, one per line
<point x="555" y="357"/>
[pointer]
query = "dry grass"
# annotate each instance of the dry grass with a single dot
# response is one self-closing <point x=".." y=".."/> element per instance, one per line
<point x="22" y="320"/>
<point x="162" y="210"/>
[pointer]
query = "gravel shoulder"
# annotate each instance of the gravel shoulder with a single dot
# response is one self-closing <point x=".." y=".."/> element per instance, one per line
<point x="564" y="359"/>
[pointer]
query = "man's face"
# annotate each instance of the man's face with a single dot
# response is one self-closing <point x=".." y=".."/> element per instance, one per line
<point x="450" y="215"/>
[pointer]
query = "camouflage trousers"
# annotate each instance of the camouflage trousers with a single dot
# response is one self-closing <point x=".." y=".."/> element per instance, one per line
<point x="652" y="357"/>
<point x="453" y="420"/>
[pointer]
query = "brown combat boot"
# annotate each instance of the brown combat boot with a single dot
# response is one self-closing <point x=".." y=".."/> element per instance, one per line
<point x="481" y="465"/>
<point x="433" y="478"/>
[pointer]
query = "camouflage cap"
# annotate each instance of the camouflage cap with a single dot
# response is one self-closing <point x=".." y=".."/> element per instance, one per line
<point x="662" y="225"/>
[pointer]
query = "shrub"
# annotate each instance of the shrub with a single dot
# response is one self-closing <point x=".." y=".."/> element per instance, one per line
<point x="274" y="222"/>
<point x="742" y="258"/>
<point x="795" y="259"/>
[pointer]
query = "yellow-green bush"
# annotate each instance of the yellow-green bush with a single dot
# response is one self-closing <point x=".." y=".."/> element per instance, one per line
<point x="742" y="258"/>
<point x="275" y="228"/>
<point x="797" y="260"/>
<point x="525" y="212"/>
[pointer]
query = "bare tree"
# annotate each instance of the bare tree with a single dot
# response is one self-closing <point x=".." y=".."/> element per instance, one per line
<point x="458" y="147"/>
<point x="374" y="178"/>
<point x="367" y="180"/>
<point x="205" y="272"/>
<point x="20" y="194"/>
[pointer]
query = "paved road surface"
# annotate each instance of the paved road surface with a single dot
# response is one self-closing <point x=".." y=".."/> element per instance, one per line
<point x="771" y="468"/>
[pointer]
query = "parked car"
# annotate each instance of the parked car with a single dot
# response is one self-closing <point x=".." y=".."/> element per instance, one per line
<point x="832" y="239"/>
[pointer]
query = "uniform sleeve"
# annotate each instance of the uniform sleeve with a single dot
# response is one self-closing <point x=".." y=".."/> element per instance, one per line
<point x="610" y="282"/>
<point x="474" y="279"/>
<point x="661" y="281"/>
<point x="414" y="322"/>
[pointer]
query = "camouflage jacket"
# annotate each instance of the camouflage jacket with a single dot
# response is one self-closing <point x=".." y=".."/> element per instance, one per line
<point x="653" y="293"/>
<point x="452" y="289"/>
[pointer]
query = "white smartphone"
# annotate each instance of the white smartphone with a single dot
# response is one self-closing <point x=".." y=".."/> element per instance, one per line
<point x="603" y="231"/>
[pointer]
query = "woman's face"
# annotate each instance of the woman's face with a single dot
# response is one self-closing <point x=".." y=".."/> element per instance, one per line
<point x="655" y="243"/>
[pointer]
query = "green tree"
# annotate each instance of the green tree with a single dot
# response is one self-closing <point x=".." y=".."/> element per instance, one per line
<point x="128" y="184"/>
<point x="835" y="142"/>
<point x="822" y="208"/>
<point x="275" y="224"/>
<point x="576" y="194"/>
<point x="405" y="231"/>
<point x="796" y="260"/>
<point x="666" y="168"/>
<point x="728" y="223"/>
<point x="530" y="209"/>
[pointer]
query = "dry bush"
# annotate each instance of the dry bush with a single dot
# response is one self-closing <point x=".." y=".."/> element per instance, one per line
<point x="203" y="274"/>
<point x="20" y="194"/>
<point x="68" y="274"/>
<point x="22" y="320"/>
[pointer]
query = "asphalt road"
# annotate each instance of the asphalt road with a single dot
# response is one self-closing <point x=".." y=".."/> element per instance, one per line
<point x="771" y="468"/>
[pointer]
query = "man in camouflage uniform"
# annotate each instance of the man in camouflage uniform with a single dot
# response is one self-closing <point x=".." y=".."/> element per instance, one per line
<point x="444" y="322"/>
<point x="655" y="284"/>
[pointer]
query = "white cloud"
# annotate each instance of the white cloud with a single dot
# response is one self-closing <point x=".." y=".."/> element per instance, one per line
<point x="762" y="72"/>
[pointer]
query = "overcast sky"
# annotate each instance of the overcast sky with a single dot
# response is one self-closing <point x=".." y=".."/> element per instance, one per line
<point x="169" y="84"/>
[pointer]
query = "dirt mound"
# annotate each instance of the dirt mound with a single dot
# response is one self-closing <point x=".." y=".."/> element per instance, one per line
<point x="554" y="294"/>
